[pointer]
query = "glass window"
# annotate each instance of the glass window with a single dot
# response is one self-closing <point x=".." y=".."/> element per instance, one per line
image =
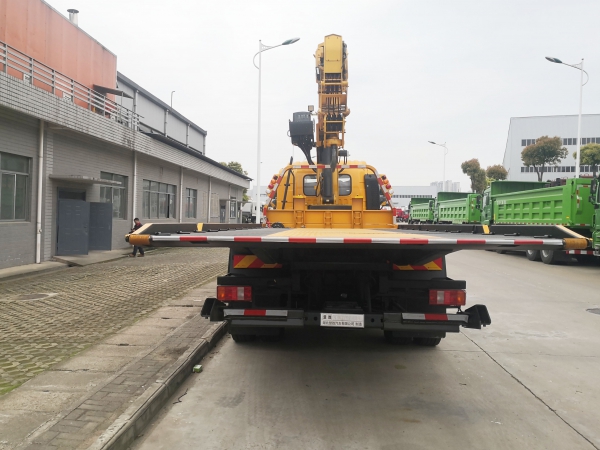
<point x="564" y="141"/>
<point x="14" y="163"/>
<point x="14" y="185"/>
<point x="523" y="142"/>
<point x="191" y="196"/>
<point x="344" y="184"/>
<point x="310" y="185"/>
<point x="7" y="198"/>
<point x="159" y="200"/>
<point x="232" y="208"/>
<point x="522" y="169"/>
<point x="115" y="194"/>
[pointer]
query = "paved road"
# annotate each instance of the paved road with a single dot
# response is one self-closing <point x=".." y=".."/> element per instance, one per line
<point x="86" y="304"/>
<point x="530" y="381"/>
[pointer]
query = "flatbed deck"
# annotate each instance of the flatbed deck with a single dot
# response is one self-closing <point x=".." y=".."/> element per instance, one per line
<point x="186" y="235"/>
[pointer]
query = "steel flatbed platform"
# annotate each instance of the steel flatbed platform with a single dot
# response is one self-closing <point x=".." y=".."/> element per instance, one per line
<point x="222" y="235"/>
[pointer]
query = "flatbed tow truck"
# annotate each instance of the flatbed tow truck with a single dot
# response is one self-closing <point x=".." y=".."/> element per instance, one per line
<point x="330" y="254"/>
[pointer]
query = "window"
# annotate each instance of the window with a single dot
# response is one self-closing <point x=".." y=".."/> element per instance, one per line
<point x="159" y="200"/>
<point x="523" y="142"/>
<point x="522" y="169"/>
<point x="14" y="183"/>
<point x="232" y="208"/>
<point x="310" y="185"/>
<point x="344" y="184"/>
<point x="214" y="204"/>
<point x="117" y="195"/>
<point x="191" y="196"/>
<point x="565" y="141"/>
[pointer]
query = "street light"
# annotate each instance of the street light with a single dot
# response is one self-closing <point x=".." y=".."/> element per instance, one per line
<point x="262" y="48"/>
<point x="578" y="67"/>
<point x="445" y="153"/>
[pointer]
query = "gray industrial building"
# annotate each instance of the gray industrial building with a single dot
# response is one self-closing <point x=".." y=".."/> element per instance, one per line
<point x="524" y="131"/>
<point x="77" y="164"/>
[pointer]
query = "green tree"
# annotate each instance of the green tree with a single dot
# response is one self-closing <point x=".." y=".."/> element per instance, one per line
<point x="496" y="172"/>
<point x="234" y="165"/>
<point x="545" y="152"/>
<point x="590" y="155"/>
<point x="473" y="170"/>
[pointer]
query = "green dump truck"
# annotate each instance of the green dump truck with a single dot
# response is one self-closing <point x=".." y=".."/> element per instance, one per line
<point x="421" y="210"/>
<point x="567" y="205"/>
<point x="457" y="207"/>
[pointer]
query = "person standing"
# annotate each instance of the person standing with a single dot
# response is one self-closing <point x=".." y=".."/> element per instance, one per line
<point x="136" y="226"/>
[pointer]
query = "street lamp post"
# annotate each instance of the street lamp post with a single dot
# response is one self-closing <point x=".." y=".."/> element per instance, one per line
<point x="172" y="92"/>
<point x="445" y="153"/>
<point x="581" y="84"/>
<point x="262" y="48"/>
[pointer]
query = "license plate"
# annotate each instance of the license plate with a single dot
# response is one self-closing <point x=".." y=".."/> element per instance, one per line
<point x="343" y="320"/>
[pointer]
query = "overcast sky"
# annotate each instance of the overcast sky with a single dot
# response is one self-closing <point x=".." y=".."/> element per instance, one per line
<point x="440" y="70"/>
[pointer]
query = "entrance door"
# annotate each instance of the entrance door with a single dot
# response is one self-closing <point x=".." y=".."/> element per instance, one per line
<point x="73" y="227"/>
<point x="101" y="215"/>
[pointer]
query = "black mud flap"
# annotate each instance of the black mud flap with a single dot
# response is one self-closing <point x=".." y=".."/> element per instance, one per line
<point x="478" y="317"/>
<point x="213" y="309"/>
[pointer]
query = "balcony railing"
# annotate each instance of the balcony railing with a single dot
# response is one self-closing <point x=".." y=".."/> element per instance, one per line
<point x="19" y="65"/>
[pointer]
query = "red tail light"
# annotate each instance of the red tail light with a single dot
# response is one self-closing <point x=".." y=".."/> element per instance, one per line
<point x="233" y="293"/>
<point x="450" y="297"/>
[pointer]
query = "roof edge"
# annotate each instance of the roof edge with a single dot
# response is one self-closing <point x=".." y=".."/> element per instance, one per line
<point x="159" y="102"/>
<point x="177" y="145"/>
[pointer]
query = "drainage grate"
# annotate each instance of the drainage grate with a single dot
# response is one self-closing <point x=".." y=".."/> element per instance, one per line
<point x="593" y="310"/>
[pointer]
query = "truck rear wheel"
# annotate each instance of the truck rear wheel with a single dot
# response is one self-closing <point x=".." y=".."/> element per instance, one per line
<point x="548" y="256"/>
<point x="238" y="338"/>
<point x="427" y="341"/>
<point x="396" y="340"/>
<point x="533" y="255"/>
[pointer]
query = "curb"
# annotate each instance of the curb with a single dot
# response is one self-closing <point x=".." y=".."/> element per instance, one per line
<point x="32" y="273"/>
<point x="123" y="431"/>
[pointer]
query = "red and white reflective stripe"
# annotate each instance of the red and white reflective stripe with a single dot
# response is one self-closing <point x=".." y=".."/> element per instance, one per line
<point x="580" y="252"/>
<point x="436" y="317"/>
<point x="356" y="240"/>
<point x="328" y="166"/>
<point x="312" y="166"/>
<point x="256" y="312"/>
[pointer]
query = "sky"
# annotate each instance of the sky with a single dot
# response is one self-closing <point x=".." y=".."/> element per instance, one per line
<point x="419" y="71"/>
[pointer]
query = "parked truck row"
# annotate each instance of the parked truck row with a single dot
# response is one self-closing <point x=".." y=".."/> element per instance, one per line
<point x="570" y="203"/>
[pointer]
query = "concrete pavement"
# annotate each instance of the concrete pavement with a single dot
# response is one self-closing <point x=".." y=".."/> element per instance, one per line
<point x="103" y="337"/>
<point x="527" y="381"/>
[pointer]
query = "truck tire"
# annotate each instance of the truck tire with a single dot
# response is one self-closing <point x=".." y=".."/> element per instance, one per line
<point x="427" y="341"/>
<point x="533" y="255"/>
<point x="238" y="338"/>
<point x="396" y="340"/>
<point x="548" y="256"/>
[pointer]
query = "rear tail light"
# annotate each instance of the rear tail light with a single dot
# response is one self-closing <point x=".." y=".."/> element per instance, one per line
<point x="450" y="297"/>
<point x="233" y="293"/>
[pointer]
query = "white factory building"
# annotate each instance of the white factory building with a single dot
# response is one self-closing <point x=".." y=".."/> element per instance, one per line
<point x="523" y="131"/>
<point x="402" y="194"/>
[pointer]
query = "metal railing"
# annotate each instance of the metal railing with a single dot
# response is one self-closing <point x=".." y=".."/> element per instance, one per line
<point x="16" y="63"/>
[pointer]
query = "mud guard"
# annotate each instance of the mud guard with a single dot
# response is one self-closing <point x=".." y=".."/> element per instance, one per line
<point x="478" y="317"/>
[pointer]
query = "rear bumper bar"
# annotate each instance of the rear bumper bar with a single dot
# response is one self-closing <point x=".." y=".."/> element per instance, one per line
<point x="475" y="317"/>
